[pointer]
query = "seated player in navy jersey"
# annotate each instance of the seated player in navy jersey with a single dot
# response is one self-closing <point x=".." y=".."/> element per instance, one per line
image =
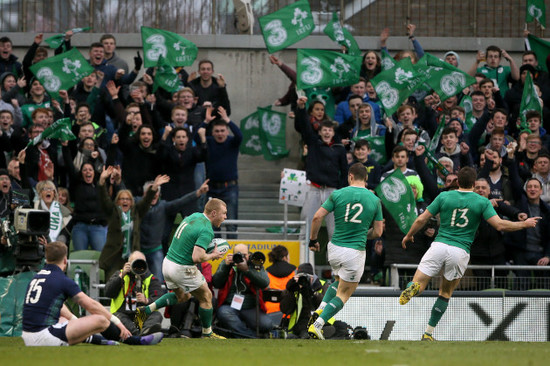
<point x="48" y="322"/>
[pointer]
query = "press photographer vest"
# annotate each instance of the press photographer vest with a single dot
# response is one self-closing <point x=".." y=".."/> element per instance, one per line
<point x="117" y="302"/>
<point x="296" y="314"/>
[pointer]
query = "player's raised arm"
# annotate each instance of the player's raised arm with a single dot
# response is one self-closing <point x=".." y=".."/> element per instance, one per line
<point x="505" y="225"/>
<point x="418" y="224"/>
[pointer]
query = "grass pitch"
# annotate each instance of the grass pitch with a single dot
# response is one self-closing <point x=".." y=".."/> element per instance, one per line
<point x="206" y="352"/>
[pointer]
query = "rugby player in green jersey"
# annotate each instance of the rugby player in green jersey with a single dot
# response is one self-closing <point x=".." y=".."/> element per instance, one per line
<point x="179" y="268"/>
<point x="355" y="210"/>
<point x="460" y="213"/>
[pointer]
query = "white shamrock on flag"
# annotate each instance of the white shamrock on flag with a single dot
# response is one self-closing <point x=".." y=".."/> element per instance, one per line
<point x="401" y="75"/>
<point x="179" y="47"/>
<point x="71" y="67"/>
<point x="340" y="66"/>
<point x="299" y="17"/>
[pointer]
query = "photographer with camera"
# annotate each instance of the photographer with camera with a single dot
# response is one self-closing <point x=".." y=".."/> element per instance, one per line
<point x="240" y="279"/>
<point x="7" y="259"/>
<point x="135" y="286"/>
<point x="307" y="290"/>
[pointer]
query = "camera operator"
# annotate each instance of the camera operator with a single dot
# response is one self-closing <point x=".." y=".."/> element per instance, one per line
<point x="305" y="289"/>
<point x="240" y="279"/>
<point x="135" y="286"/>
<point x="7" y="258"/>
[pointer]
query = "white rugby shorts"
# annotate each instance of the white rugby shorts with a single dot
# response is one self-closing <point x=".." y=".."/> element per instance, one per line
<point x="188" y="278"/>
<point x="346" y="263"/>
<point x="453" y="260"/>
<point x="45" y="336"/>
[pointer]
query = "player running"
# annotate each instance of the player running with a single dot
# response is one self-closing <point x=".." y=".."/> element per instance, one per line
<point x="460" y="214"/>
<point x="179" y="268"/>
<point x="355" y="209"/>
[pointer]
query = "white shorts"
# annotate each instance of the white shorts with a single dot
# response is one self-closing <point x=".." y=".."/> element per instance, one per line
<point x="188" y="278"/>
<point x="45" y="336"/>
<point x="453" y="260"/>
<point x="346" y="263"/>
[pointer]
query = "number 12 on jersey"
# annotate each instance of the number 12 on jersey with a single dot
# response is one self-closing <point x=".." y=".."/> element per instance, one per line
<point x="356" y="206"/>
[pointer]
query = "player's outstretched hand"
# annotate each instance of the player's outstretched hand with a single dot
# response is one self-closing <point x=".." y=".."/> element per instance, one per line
<point x="406" y="239"/>
<point x="531" y="222"/>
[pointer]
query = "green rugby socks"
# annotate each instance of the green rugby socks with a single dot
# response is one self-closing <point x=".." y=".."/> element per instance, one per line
<point x="169" y="298"/>
<point x="437" y="311"/>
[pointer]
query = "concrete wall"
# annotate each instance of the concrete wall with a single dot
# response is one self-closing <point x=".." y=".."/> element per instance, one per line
<point x="253" y="81"/>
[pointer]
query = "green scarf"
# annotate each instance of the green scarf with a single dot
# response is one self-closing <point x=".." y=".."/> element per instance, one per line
<point x="126" y="227"/>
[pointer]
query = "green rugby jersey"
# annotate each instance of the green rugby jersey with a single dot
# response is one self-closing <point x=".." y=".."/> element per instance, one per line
<point x="355" y="208"/>
<point x="195" y="229"/>
<point x="460" y="213"/>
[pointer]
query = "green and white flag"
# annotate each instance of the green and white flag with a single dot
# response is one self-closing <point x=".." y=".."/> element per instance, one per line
<point x="250" y="128"/>
<point x="264" y="133"/>
<point x="177" y="50"/>
<point x="166" y="77"/>
<point x="62" y="71"/>
<point x="388" y="62"/>
<point x="470" y="120"/>
<point x="394" y="86"/>
<point x="341" y="35"/>
<point x="316" y="68"/>
<point x="60" y="129"/>
<point x="398" y="198"/>
<point x="541" y="49"/>
<point x="529" y="100"/>
<point x="57" y="40"/>
<point x="445" y="79"/>
<point x="378" y="148"/>
<point x="536" y="9"/>
<point x="437" y="135"/>
<point x="287" y="26"/>
<point x="272" y="133"/>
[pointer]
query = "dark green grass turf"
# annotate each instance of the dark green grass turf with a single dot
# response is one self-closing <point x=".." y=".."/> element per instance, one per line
<point x="206" y="352"/>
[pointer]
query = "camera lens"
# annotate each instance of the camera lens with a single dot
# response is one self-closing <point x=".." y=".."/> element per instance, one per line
<point x="238" y="258"/>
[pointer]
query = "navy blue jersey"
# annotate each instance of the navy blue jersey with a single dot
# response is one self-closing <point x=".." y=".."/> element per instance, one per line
<point x="45" y="296"/>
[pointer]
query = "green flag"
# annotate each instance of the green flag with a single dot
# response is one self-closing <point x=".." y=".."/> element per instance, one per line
<point x="272" y="133"/>
<point x="177" y="50"/>
<point x="250" y="128"/>
<point x="541" y="49"/>
<point x="60" y="129"/>
<point x="397" y="84"/>
<point x="378" y="148"/>
<point x="62" y="71"/>
<point x="287" y="26"/>
<point x="388" y="62"/>
<point x="316" y="68"/>
<point x="469" y="119"/>
<point x="536" y="9"/>
<point x="445" y="79"/>
<point x="166" y="77"/>
<point x="341" y="35"/>
<point x="398" y="198"/>
<point x="57" y="40"/>
<point x="529" y="100"/>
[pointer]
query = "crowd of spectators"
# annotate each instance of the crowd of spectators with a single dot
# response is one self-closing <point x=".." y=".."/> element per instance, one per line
<point x="104" y="187"/>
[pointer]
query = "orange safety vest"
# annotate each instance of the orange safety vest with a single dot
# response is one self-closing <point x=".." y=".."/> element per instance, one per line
<point x="276" y="283"/>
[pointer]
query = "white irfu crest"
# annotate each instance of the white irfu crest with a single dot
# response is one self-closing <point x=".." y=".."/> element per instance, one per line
<point x="313" y="73"/>
<point x="394" y="190"/>
<point x="271" y="124"/>
<point x="71" y="67"/>
<point x="158" y="47"/>
<point x="179" y="47"/>
<point x="299" y="17"/>
<point x="338" y="32"/>
<point x="387" y="63"/>
<point x="340" y="66"/>
<point x="401" y="75"/>
<point x="277" y="33"/>
<point x="254" y="143"/>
